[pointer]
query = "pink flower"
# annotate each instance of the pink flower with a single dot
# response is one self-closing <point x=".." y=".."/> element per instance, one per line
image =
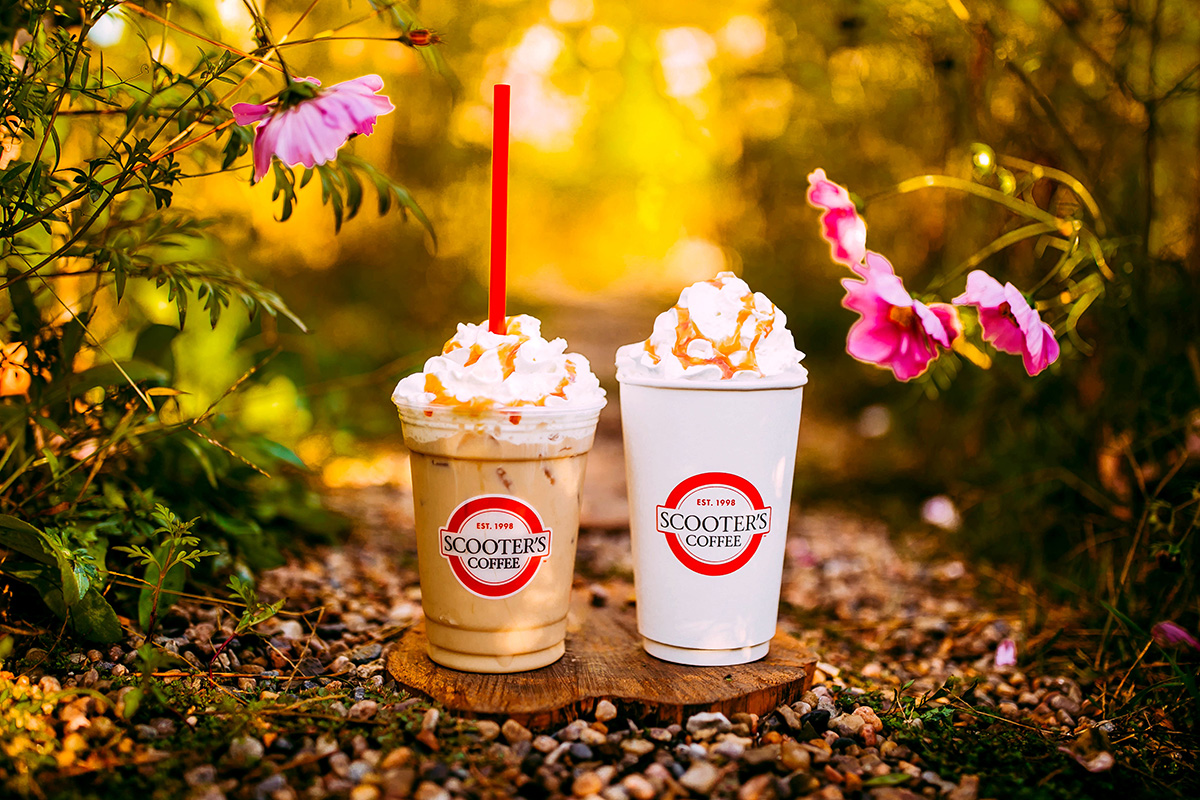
<point x="1006" y="653"/>
<point x="306" y="125"/>
<point x="895" y="331"/>
<point x="1008" y="322"/>
<point x="1169" y="634"/>
<point x="841" y="226"/>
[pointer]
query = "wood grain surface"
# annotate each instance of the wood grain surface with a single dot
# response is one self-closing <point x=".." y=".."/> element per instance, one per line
<point x="605" y="659"/>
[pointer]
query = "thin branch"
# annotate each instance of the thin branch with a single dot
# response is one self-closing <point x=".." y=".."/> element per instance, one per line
<point x="58" y="101"/>
<point x="150" y="15"/>
<point x="1094" y="54"/>
<point x="1051" y="113"/>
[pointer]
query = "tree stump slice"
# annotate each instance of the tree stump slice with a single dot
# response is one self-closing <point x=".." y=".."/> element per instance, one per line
<point x="605" y="660"/>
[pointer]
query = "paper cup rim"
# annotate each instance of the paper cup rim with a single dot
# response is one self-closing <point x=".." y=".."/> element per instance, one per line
<point x="786" y="381"/>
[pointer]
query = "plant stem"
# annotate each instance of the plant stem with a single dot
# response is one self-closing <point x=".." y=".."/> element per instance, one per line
<point x="1151" y="145"/>
<point x="126" y="173"/>
<point x="62" y="93"/>
<point x="1019" y="207"/>
<point x="162" y="573"/>
<point x="150" y="15"/>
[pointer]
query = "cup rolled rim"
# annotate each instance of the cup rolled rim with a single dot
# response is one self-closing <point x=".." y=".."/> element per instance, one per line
<point x="785" y="381"/>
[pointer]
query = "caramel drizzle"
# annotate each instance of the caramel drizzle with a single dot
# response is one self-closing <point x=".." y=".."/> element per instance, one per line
<point x="723" y="350"/>
<point x="507" y="353"/>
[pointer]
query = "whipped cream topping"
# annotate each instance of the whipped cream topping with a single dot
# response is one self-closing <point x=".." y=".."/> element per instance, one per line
<point x="719" y="330"/>
<point x="479" y="370"/>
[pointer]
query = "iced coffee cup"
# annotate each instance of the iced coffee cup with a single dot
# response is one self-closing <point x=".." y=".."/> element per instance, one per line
<point x="499" y="427"/>
<point x="710" y="407"/>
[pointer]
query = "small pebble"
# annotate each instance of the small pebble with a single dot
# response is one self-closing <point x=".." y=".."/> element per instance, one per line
<point x="869" y="716"/>
<point x="731" y="748"/>
<point x="245" y="750"/>
<point x="638" y="787"/>
<point x="514" y="732"/>
<point x="794" y="757"/>
<point x="587" y="783"/>
<point x="488" y="730"/>
<point x="701" y="777"/>
<point x="362" y="710"/>
<point x="789" y="717"/>
<point x="757" y="788"/>
<point x="428" y="790"/>
<point x="638" y="747"/>
<point x="762" y="755"/>
<point x="605" y="711"/>
<point x="714" y="721"/>
<point x="198" y="776"/>
<point x="819" y="719"/>
<point x="591" y="736"/>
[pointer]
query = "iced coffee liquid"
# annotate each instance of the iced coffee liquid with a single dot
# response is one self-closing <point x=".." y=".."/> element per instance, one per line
<point x="496" y="581"/>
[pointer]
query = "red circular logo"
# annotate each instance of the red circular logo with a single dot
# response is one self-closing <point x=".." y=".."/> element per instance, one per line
<point x="495" y="544"/>
<point x="714" y="522"/>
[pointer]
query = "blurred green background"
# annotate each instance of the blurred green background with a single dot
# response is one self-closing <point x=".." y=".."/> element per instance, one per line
<point x="655" y="144"/>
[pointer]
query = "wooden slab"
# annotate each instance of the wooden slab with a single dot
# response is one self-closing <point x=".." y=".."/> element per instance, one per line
<point x="605" y="659"/>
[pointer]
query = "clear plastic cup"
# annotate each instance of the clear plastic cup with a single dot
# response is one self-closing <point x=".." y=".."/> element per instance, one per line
<point x="709" y="468"/>
<point x="496" y="495"/>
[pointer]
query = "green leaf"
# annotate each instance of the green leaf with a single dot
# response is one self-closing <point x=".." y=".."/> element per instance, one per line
<point x="201" y="456"/>
<point x="18" y="535"/>
<point x="43" y="579"/>
<point x="280" y="452"/>
<point x="131" y="700"/>
<point x="72" y="591"/>
<point x="285" y="181"/>
<point x="891" y="779"/>
<point x="29" y="319"/>
<point x="154" y="346"/>
<point x="95" y="619"/>
<point x="1129" y="624"/>
<point x="69" y="343"/>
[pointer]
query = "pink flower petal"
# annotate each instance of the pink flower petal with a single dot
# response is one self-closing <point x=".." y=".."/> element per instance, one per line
<point x="248" y="113"/>
<point x="982" y="290"/>
<point x="1006" y="653"/>
<point x="841" y="225"/>
<point x="1047" y="353"/>
<point x="1009" y="322"/>
<point x="264" y="146"/>
<point x="894" y="331"/>
<point x="877" y="263"/>
<point x="932" y="323"/>
<point x="312" y="131"/>
<point x="1171" y="634"/>
<point x="948" y="316"/>
<point x="824" y="193"/>
<point x="999" y="329"/>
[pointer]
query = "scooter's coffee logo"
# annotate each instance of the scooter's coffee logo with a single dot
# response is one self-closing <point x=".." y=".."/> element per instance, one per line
<point x="495" y="544"/>
<point x="714" y="522"/>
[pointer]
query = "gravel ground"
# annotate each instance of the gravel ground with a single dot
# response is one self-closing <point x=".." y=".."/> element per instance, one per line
<point x="303" y="706"/>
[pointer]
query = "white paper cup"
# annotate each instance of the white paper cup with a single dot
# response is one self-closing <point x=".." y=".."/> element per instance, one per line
<point x="709" y="467"/>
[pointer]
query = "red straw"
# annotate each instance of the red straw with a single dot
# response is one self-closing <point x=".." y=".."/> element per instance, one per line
<point x="500" y="115"/>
